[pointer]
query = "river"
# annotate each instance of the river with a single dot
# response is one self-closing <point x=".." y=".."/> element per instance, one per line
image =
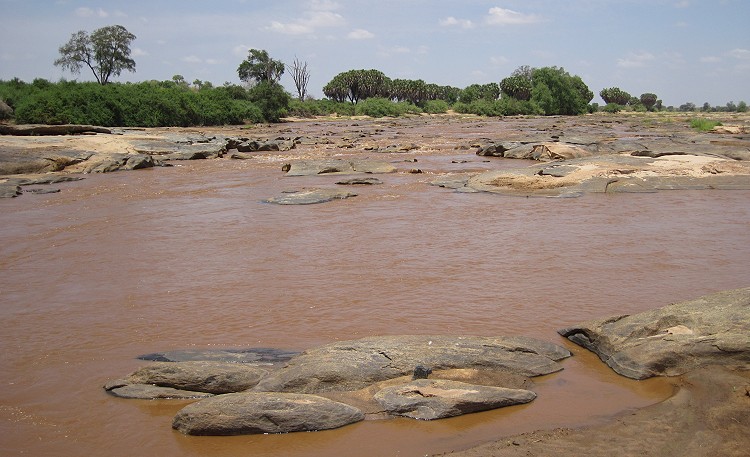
<point x="186" y="257"/>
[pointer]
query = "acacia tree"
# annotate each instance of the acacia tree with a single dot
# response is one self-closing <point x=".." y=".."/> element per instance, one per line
<point x="106" y="52"/>
<point x="301" y="77"/>
<point x="260" y="67"/>
<point x="649" y="100"/>
<point x="356" y="85"/>
<point x="615" y="95"/>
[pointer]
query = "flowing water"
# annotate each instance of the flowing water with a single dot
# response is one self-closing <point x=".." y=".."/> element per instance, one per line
<point x="189" y="257"/>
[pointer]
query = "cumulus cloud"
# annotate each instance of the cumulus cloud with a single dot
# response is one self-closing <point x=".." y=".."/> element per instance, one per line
<point x="138" y="52"/>
<point x="635" y="60"/>
<point x="451" y="21"/>
<point x="502" y="16"/>
<point x="309" y="23"/>
<point x="741" y="54"/>
<point x="360" y="34"/>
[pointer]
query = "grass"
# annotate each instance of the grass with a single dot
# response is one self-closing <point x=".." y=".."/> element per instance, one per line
<point x="703" y="125"/>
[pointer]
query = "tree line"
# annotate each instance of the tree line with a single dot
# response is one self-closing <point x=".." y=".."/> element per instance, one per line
<point x="106" y="53"/>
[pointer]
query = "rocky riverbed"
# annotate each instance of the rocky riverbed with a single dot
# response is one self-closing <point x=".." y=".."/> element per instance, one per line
<point x="702" y="353"/>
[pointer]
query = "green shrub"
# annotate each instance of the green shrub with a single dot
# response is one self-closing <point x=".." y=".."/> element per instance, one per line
<point x="382" y="107"/>
<point x="436" y="106"/>
<point x="324" y="107"/>
<point x="506" y="106"/>
<point x="703" y="125"/>
<point x="612" y="108"/>
<point x="272" y="100"/>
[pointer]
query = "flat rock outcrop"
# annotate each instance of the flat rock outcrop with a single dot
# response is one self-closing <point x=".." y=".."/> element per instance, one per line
<point x="122" y="389"/>
<point x="199" y="376"/>
<point x="310" y="196"/>
<point x="669" y="341"/>
<point x="430" y="399"/>
<point x="41" y="129"/>
<point x="353" y="365"/>
<point x="252" y="356"/>
<point x="337" y="167"/>
<point x="254" y="413"/>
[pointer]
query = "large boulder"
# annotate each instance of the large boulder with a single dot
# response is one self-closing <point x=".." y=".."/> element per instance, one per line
<point x="435" y="398"/>
<point x="199" y="376"/>
<point x="669" y="341"/>
<point x="353" y="365"/>
<point x="254" y="413"/>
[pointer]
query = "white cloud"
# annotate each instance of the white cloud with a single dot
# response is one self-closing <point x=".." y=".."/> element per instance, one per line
<point x="309" y="23"/>
<point x="710" y="59"/>
<point x="360" y="34"/>
<point x="192" y="59"/>
<point x="388" y="52"/>
<point x="682" y="4"/>
<point x="635" y="60"/>
<point x="499" y="60"/>
<point x="138" y="52"/>
<point x="241" y="51"/>
<point x="324" y="5"/>
<point x="451" y="21"/>
<point x="741" y="54"/>
<point x="88" y="12"/>
<point x="502" y="16"/>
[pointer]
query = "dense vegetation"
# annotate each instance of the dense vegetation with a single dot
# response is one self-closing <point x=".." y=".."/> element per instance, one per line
<point x="146" y="104"/>
<point x="527" y="91"/>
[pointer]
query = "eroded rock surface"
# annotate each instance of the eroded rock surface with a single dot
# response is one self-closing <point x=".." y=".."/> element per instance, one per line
<point x="199" y="376"/>
<point x="310" y="196"/>
<point x="352" y="365"/>
<point x="254" y="413"/>
<point x="430" y="399"/>
<point x="337" y="167"/>
<point x="669" y="341"/>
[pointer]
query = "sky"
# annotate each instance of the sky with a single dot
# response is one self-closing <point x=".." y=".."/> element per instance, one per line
<point x="682" y="50"/>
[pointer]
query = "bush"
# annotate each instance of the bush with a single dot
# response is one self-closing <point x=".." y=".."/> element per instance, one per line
<point x="703" y="125"/>
<point x="436" y="106"/>
<point x="325" y="107"/>
<point x="612" y="108"/>
<point x="382" y="107"/>
<point x="147" y="104"/>
<point x="272" y="100"/>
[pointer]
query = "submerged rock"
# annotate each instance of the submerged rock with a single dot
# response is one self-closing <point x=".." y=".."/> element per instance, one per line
<point x="337" y="167"/>
<point x="430" y="399"/>
<point x="254" y="413"/>
<point x="151" y="392"/>
<point x="674" y="339"/>
<point x="253" y="356"/>
<point x="310" y="197"/>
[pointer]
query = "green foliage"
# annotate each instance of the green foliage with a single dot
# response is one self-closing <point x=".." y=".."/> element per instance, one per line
<point x="325" y="107"/>
<point x="742" y="107"/>
<point x="147" y="104"/>
<point x="436" y="106"/>
<point x="475" y="92"/>
<point x="503" y="107"/>
<point x="106" y="52"/>
<point x="356" y="85"/>
<point x="612" y="108"/>
<point x="615" y="95"/>
<point x="703" y="125"/>
<point x="382" y="107"/>
<point x="649" y="100"/>
<point x="259" y="67"/>
<point x="555" y="91"/>
<point x="517" y="86"/>
<point x="272" y="100"/>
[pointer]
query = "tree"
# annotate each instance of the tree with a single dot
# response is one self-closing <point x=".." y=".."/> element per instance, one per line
<point x="260" y="67"/>
<point x="356" y="85"/>
<point x="615" y="95"/>
<point x="519" y="84"/>
<point x="272" y="100"/>
<point x="301" y="77"/>
<point x="106" y="52"/>
<point x="557" y="92"/>
<point x="649" y="100"/>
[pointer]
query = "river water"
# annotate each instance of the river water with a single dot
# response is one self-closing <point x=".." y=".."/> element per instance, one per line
<point x="187" y="257"/>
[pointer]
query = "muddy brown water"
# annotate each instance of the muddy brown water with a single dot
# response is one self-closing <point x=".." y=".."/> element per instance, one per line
<point x="189" y="257"/>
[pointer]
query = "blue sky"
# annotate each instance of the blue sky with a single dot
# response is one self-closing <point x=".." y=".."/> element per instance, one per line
<point x="683" y="50"/>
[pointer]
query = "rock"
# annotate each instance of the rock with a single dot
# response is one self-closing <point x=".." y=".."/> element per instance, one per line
<point x="39" y="190"/>
<point x="310" y="196"/>
<point x="138" y="161"/>
<point x="421" y="372"/>
<point x="254" y="356"/>
<point x="151" y="392"/>
<point x="672" y="340"/>
<point x="498" y="149"/>
<point x="359" y="181"/>
<point x="558" y="151"/>
<point x="430" y="399"/>
<point x="353" y="365"/>
<point x="245" y="145"/>
<point x="199" y="376"/>
<point x="40" y="129"/>
<point x="9" y="190"/>
<point x="336" y="166"/>
<point x="254" y="413"/>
